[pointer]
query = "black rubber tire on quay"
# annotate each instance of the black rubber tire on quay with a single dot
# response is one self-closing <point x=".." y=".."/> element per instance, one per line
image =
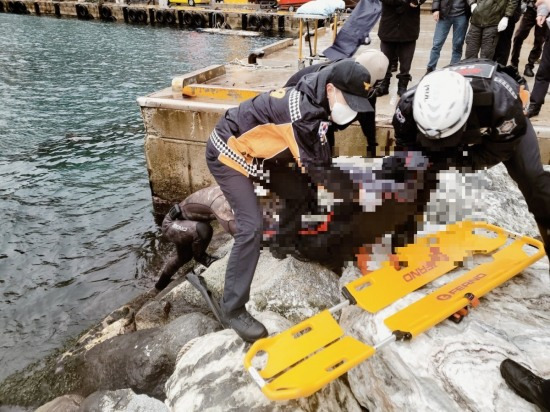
<point x="159" y="16"/>
<point x="142" y="17"/>
<point x="21" y="8"/>
<point x="169" y="17"/>
<point x="105" y="12"/>
<point x="198" y="20"/>
<point x="218" y="20"/>
<point x="132" y="15"/>
<point x="254" y="22"/>
<point x="266" y="24"/>
<point x="187" y="19"/>
<point x="82" y="12"/>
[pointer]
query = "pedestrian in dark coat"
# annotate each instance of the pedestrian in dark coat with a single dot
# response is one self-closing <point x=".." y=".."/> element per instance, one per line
<point x="398" y="31"/>
<point x="542" y="79"/>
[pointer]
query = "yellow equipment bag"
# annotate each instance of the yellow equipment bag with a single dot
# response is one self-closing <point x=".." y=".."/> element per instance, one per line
<point x="304" y="358"/>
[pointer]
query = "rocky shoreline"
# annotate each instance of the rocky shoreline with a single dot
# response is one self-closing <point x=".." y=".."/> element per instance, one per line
<point x="165" y="351"/>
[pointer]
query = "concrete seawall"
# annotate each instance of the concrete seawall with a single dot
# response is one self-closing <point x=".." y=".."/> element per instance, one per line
<point x="248" y="17"/>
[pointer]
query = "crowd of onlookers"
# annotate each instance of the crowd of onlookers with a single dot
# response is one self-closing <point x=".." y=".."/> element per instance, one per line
<point x="488" y="27"/>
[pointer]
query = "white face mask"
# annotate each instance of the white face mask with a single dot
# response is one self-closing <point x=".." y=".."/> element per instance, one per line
<point x="341" y="113"/>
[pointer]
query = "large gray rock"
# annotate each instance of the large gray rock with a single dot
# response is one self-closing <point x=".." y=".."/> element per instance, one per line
<point x="294" y="289"/>
<point x="210" y="376"/>
<point x="142" y="360"/>
<point x="66" y="403"/>
<point x="123" y="400"/>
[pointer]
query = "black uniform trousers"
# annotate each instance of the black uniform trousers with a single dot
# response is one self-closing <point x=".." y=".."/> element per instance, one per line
<point x="404" y="53"/>
<point x="528" y="21"/>
<point x="542" y="78"/>
<point x="504" y="43"/>
<point x="525" y="167"/>
<point x="297" y="195"/>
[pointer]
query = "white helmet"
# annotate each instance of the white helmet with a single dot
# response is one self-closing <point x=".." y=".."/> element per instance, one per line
<point x="441" y="105"/>
<point x="375" y="62"/>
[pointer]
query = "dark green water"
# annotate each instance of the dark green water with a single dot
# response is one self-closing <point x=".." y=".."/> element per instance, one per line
<point x="77" y="235"/>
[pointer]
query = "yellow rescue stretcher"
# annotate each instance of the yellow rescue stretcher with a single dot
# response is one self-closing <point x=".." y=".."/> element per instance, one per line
<point x="304" y="358"/>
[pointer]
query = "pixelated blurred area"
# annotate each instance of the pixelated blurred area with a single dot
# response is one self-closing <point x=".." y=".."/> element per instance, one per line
<point x="393" y="200"/>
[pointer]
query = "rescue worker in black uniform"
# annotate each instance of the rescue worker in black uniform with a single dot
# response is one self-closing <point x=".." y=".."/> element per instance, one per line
<point x="257" y="141"/>
<point x="471" y="116"/>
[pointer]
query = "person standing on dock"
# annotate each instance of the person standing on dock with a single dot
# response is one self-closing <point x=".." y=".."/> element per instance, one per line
<point x="276" y="138"/>
<point x="447" y="14"/>
<point x="489" y="18"/>
<point x="542" y="78"/>
<point x="398" y="31"/>
<point x="528" y="21"/>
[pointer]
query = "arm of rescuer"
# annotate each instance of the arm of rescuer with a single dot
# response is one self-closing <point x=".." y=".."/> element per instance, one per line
<point x="315" y="159"/>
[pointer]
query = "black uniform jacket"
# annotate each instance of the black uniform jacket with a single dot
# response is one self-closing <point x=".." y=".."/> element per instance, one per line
<point x="493" y="129"/>
<point x="282" y="126"/>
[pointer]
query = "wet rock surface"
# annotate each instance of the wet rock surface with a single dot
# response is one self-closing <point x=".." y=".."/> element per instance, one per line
<point x="142" y="360"/>
<point x="452" y="366"/>
<point x="66" y="403"/>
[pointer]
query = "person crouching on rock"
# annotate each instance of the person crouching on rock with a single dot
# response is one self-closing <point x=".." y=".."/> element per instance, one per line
<point x="279" y="139"/>
<point x="187" y="226"/>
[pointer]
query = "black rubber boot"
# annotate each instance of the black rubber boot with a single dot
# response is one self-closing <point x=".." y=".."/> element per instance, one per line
<point x="528" y="71"/>
<point x="244" y="324"/>
<point x="526" y="384"/>
<point x="533" y="110"/>
<point x="402" y="85"/>
<point x="384" y="87"/>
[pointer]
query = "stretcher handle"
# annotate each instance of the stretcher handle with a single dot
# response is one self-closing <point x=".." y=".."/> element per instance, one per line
<point x="253" y="351"/>
<point x="500" y="232"/>
<point x="279" y="394"/>
<point x="262" y="344"/>
<point x="522" y="238"/>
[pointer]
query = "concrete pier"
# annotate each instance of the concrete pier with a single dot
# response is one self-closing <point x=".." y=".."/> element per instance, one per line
<point x="179" y="125"/>
<point x="249" y="17"/>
